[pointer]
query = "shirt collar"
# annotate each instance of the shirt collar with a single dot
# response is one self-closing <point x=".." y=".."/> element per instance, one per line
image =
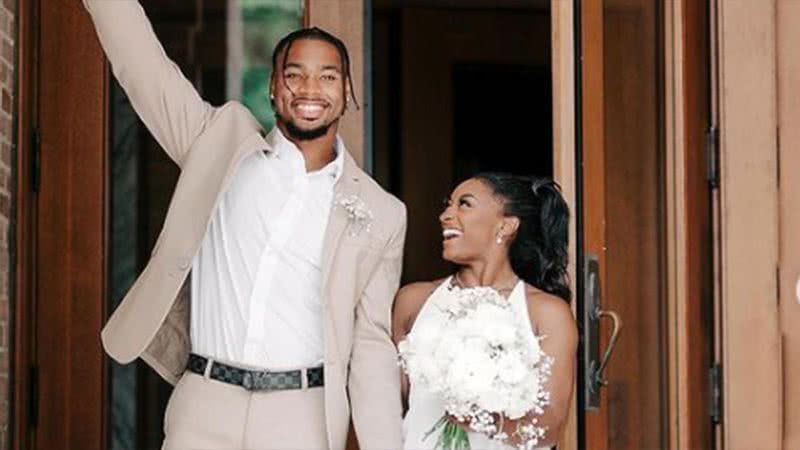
<point x="278" y="144"/>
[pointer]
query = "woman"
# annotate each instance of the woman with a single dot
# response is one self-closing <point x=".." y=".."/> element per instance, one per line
<point x="510" y="233"/>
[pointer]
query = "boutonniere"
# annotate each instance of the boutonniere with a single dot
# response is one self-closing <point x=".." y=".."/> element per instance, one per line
<point x="358" y="214"/>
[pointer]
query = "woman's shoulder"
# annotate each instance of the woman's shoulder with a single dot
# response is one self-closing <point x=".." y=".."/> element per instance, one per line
<point x="548" y="310"/>
<point x="412" y="296"/>
<point x="409" y="301"/>
<point x="419" y="288"/>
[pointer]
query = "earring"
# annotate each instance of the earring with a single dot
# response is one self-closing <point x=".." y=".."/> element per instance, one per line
<point x="499" y="239"/>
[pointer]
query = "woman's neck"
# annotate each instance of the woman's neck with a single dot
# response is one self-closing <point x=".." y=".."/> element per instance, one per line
<point x="497" y="275"/>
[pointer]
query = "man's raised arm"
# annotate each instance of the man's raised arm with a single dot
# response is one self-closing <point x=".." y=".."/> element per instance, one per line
<point x="163" y="98"/>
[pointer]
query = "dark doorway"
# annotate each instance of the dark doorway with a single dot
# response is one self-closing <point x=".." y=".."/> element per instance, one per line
<point x="459" y="87"/>
<point x="494" y="129"/>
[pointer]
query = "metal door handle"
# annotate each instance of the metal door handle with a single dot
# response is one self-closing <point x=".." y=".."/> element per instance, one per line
<point x="612" y="343"/>
<point x="592" y="314"/>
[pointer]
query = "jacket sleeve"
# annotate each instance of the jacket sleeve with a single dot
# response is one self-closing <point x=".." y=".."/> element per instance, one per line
<point x="163" y="98"/>
<point x="374" y="382"/>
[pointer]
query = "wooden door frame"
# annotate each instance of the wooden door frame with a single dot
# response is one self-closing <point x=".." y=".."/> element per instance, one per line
<point x="22" y="293"/>
<point x="689" y="280"/>
<point x="345" y="19"/>
<point x="563" y="54"/>
<point x="748" y="213"/>
<point x="788" y="15"/>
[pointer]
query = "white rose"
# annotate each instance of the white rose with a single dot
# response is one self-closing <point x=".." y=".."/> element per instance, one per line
<point x="511" y="369"/>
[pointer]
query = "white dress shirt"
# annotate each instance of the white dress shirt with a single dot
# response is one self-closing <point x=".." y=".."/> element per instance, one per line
<point x="256" y="279"/>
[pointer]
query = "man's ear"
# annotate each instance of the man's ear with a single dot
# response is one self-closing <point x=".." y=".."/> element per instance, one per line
<point x="348" y="94"/>
<point x="272" y="88"/>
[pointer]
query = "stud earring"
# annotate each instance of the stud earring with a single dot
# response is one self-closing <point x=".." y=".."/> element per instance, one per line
<point x="499" y="239"/>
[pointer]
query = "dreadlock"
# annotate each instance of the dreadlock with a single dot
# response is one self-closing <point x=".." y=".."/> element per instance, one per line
<point x="320" y="35"/>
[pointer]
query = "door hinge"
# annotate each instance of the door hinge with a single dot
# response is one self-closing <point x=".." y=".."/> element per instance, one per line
<point x="36" y="160"/>
<point x="33" y="397"/>
<point x="712" y="156"/>
<point x="715" y="393"/>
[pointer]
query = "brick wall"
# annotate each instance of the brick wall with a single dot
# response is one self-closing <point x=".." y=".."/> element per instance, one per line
<point x="8" y="10"/>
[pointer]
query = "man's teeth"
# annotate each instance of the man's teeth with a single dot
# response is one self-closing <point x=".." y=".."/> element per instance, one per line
<point x="309" y="108"/>
<point x="447" y="234"/>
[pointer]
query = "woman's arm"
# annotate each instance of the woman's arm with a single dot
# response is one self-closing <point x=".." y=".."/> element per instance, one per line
<point x="407" y="304"/>
<point x="551" y="317"/>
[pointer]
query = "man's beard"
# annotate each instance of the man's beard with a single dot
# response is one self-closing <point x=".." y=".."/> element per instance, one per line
<point x="300" y="134"/>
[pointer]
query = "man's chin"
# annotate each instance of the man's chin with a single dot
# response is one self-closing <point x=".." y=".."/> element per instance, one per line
<point x="306" y="134"/>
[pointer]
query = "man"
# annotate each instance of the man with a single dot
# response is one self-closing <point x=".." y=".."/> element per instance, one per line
<point x="295" y="255"/>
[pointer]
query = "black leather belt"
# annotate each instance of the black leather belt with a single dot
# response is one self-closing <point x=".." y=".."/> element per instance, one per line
<point x="256" y="380"/>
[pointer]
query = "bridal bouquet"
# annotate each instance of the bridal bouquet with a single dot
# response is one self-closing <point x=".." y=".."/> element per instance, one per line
<point x="482" y="364"/>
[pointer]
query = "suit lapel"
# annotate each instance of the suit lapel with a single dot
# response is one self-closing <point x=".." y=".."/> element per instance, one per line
<point x="348" y="185"/>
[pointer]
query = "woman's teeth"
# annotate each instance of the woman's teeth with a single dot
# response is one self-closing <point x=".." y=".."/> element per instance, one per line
<point x="451" y="233"/>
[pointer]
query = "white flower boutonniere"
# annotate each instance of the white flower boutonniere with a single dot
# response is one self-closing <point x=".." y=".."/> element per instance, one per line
<point x="358" y="214"/>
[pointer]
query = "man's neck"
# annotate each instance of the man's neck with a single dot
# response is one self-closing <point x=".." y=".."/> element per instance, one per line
<point x="317" y="152"/>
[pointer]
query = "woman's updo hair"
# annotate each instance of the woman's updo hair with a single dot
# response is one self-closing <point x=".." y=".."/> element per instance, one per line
<point x="538" y="252"/>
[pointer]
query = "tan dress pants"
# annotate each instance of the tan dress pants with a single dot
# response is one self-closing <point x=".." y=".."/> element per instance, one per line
<point x="205" y="414"/>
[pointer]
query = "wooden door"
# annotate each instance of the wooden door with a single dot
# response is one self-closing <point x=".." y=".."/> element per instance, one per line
<point x="67" y="255"/>
<point x="620" y="213"/>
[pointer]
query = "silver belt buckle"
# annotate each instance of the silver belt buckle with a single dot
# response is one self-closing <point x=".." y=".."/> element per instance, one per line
<point x="254" y="381"/>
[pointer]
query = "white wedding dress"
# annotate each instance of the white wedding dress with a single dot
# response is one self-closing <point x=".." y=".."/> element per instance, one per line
<point x="424" y="408"/>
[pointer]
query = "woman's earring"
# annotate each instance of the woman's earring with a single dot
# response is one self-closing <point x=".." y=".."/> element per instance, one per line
<point x="499" y="239"/>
